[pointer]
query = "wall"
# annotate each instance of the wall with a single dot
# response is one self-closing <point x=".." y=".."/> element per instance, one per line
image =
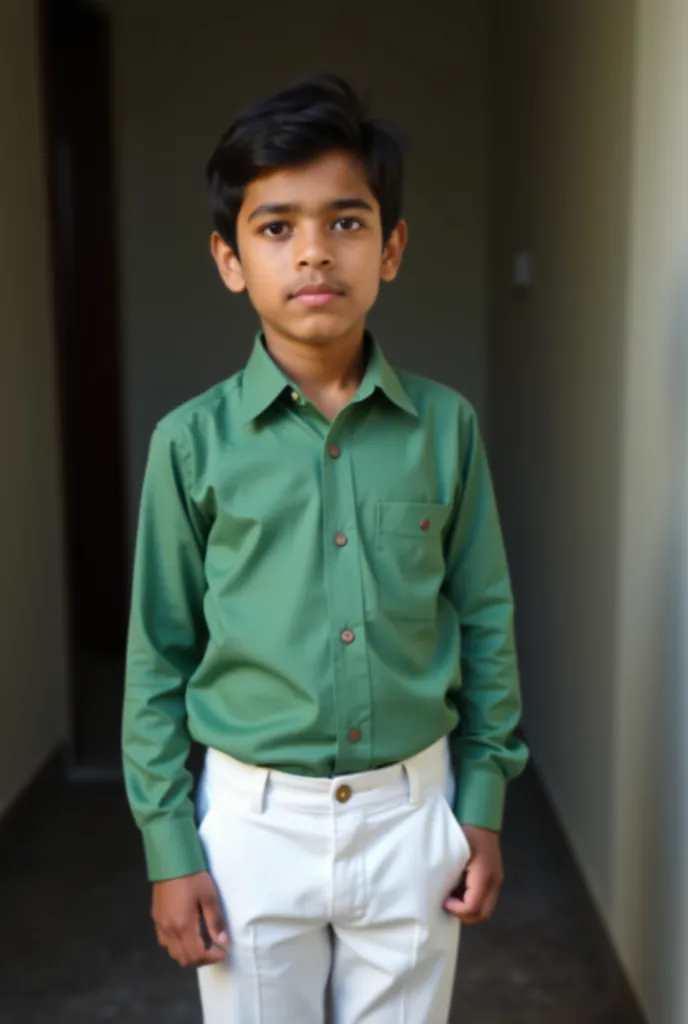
<point x="32" y="630"/>
<point x="562" y="144"/>
<point x="651" y="825"/>
<point x="587" y="377"/>
<point x="180" y="79"/>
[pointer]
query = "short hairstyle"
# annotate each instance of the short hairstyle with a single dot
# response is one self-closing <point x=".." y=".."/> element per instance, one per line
<point x="314" y="116"/>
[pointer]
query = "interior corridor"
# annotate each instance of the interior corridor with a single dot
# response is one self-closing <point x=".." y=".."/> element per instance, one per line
<point x="547" y="280"/>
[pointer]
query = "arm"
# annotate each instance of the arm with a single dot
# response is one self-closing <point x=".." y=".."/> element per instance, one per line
<point x="485" y="750"/>
<point x="166" y="643"/>
<point x="167" y="638"/>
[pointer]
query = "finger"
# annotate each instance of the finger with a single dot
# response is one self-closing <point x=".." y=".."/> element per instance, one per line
<point x="214" y="921"/>
<point x="190" y="952"/>
<point x="474" y="894"/>
<point x="164" y="937"/>
<point x="170" y="942"/>
<point x="214" y="955"/>
<point x="456" y="908"/>
<point x="467" y="904"/>
<point x="186" y="945"/>
<point x="195" y="949"/>
<point x="476" y="907"/>
<point x="490" y="902"/>
<point x="178" y="940"/>
<point x="204" y="952"/>
<point x="199" y="953"/>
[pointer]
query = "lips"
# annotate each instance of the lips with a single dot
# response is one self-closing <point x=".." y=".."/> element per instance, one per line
<point x="317" y="294"/>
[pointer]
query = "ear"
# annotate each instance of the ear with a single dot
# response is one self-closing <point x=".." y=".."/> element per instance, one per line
<point x="393" y="252"/>
<point x="227" y="263"/>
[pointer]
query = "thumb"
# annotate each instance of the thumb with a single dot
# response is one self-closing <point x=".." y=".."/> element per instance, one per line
<point x="214" y="918"/>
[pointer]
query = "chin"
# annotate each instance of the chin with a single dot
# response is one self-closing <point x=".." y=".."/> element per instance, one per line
<point x="319" y="335"/>
<point x="319" y="328"/>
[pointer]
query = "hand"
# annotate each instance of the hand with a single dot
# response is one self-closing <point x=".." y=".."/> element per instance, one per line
<point x="483" y="878"/>
<point x="181" y="906"/>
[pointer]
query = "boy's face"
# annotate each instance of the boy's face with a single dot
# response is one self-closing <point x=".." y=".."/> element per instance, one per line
<point x="310" y="241"/>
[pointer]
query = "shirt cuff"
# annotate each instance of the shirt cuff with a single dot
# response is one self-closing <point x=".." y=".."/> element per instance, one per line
<point x="173" y="848"/>
<point x="480" y="796"/>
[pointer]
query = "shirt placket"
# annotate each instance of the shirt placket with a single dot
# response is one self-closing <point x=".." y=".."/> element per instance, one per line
<point x="342" y="560"/>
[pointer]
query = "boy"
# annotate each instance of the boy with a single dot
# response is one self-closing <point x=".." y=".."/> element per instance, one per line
<point x="321" y="599"/>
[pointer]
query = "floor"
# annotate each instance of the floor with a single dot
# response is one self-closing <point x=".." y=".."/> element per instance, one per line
<point x="76" y="944"/>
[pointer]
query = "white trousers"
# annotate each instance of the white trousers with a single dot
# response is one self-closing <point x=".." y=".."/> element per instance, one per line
<point x="339" y="878"/>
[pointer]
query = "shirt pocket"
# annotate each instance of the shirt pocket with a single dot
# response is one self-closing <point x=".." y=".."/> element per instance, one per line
<point x="409" y="554"/>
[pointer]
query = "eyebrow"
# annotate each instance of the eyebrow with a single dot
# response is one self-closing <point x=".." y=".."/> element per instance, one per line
<point x="275" y="209"/>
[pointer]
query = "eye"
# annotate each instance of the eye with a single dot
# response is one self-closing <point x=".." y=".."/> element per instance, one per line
<point x="348" y="224"/>
<point x="276" y="229"/>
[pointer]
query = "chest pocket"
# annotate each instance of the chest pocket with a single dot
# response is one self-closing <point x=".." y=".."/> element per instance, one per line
<point x="409" y="558"/>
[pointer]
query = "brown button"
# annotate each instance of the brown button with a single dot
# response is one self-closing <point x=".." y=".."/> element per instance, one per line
<point x="354" y="735"/>
<point x="343" y="794"/>
<point x="340" y="539"/>
<point x="348" y="636"/>
<point x="425" y="524"/>
<point x="335" y="451"/>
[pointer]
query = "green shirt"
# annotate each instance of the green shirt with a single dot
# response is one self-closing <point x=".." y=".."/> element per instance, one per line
<point x="321" y="598"/>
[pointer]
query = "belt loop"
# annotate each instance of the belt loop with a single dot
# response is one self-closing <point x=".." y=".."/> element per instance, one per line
<point x="413" y="776"/>
<point x="258" y="789"/>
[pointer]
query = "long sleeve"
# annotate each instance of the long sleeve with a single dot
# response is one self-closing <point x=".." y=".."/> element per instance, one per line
<point x="166" y="643"/>
<point x="485" y="750"/>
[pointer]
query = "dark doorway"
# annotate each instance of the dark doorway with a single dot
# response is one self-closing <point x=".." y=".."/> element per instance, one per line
<point x="81" y="167"/>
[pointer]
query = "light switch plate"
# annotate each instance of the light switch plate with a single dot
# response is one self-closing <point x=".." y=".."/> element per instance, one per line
<point x="523" y="269"/>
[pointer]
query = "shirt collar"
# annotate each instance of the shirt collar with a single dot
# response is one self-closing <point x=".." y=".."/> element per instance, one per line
<point x="379" y="374"/>
<point x="263" y="381"/>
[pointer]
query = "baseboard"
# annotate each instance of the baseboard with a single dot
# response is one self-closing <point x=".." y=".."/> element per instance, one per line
<point x="33" y="797"/>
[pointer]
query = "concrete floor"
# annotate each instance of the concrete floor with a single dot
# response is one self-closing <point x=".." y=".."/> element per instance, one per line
<point x="77" y="946"/>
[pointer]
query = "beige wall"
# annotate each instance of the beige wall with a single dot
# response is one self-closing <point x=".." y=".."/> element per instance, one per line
<point x="651" y="822"/>
<point x="562" y="148"/>
<point x="33" y="683"/>
<point x="181" y="74"/>
<point x="587" y="392"/>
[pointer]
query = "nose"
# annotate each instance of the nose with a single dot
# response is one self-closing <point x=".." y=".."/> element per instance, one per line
<point x="314" y="250"/>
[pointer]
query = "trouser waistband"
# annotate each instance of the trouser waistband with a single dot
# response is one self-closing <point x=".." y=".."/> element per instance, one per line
<point x="253" y="785"/>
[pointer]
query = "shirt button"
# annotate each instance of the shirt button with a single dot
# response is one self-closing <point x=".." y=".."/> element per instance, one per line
<point x="343" y="794"/>
<point x="340" y="539"/>
<point x="354" y="735"/>
<point x="348" y="636"/>
<point x="294" y="396"/>
<point x="335" y="451"/>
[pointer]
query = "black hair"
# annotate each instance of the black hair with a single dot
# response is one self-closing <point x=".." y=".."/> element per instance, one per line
<point x="314" y="116"/>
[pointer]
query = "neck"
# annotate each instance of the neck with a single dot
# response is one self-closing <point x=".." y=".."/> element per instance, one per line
<point x="317" y="368"/>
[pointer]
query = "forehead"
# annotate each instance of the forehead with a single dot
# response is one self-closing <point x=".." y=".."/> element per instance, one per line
<point x="317" y="183"/>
